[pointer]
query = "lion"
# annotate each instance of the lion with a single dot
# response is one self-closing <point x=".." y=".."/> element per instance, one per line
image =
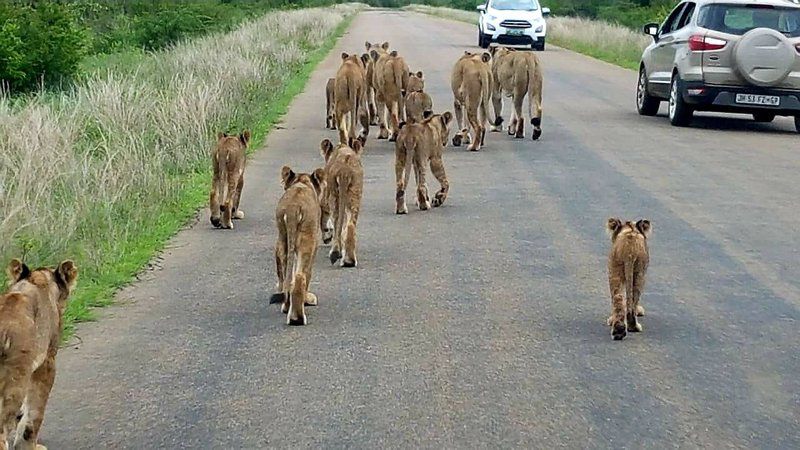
<point x="471" y="82"/>
<point x="390" y="78"/>
<point x="350" y="97"/>
<point x="298" y="217"/>
<point x="380" y="49"/>
<point x="330" y="104"/>
<point x="419" y="144"/>
<point x="31" y="319"/>
<point x="226" y="186"/>
<point x="417" y="101"/>
<point x="345" y="186"/>
<point x="627" y="267"/>
<point x="517" y="74"/>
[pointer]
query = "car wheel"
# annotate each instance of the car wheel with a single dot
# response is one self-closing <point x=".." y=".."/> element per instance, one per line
<point x="763" y="117"/>
<point x="680" y="113"/>
<point x="797" y="123"/>
<point x="538" y="45"/>
<point x="483" y="40"/>
<point x="646" y="104"/>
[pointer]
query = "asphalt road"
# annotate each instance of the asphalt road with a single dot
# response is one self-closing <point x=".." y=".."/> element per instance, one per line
<point x="481" y="323"/>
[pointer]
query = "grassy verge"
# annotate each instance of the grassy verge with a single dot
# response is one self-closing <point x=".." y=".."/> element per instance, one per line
<point x="128" y="148"/>
<point x="608" y="42"/>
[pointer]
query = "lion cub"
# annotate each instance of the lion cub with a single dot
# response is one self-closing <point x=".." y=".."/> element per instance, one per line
<point x="417" y="101"/>
<point x="627" y="267"/>
<point x="342" y="199"/>
<point x="30" y="331"/>
<point x="297" y="217"/>
<point x="419" y="144"/>
<point x="226" y="186"/>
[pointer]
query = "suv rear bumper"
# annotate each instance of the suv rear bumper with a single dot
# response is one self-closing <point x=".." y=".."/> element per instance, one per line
<point x="723" y="99"/>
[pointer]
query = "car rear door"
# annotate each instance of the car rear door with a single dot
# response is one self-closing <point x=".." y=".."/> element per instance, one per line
<point x="664" y="52"/>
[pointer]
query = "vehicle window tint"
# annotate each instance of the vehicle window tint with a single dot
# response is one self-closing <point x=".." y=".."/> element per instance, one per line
<point x="515" y="5"/>
<point x="688" y="12"/>
<point x="739" y="19"/>
<point x="671" y="22"/>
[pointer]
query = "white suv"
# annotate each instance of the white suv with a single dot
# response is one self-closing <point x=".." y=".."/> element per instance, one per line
<point x="512" y="22"/>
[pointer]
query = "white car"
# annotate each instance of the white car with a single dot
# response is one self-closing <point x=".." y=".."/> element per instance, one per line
<point x="512" y="22"/>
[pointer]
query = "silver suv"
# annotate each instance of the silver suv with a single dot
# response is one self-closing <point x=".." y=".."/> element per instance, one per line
<point x="739" y="56"/>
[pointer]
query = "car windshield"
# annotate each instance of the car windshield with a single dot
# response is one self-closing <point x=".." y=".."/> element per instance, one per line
<point x="739" y="19"/>
<point x="515" y="5"/>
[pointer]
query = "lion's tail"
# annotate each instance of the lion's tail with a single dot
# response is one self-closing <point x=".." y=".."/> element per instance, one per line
<point x="535" y="94"/>
<point x="628" y="271"/>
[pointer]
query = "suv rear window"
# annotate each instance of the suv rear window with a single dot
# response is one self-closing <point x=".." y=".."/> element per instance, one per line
<point x="739" y="19"/>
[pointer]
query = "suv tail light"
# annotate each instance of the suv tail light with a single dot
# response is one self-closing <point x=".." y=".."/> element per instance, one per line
<point x="700" y="43"/>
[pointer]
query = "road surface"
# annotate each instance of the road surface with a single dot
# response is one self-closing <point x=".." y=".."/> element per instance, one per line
<point x="482" y="323"/>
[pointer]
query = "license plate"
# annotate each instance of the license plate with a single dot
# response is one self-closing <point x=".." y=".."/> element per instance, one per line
<point x="515" y="32"/>
<point x="751" y="99"/>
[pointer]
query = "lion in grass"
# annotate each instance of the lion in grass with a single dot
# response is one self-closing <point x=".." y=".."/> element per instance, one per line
<point x="471" y="82"/>
<point x="517" y="74"/>
<point x="417" y="101"/>
<point x="350" y="98"/>
<point x="342" y="198"/>
<point x="31" y="318"/>
<point x="298" y="218"/>
<point x="627" y="267"/>
<point x="418" y="145"/>
<point x="228" y="159"/>
<point x="330" y="104"/>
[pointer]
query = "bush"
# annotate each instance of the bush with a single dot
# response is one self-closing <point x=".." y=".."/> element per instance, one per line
<point x="39" y="42"/>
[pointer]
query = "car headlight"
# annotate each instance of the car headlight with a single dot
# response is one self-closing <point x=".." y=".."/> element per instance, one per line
<point x="539" y="28"/>
<point x="490" y="27"/>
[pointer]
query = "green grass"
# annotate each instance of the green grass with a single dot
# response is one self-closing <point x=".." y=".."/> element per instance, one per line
<point x="119" y="266"/>
<point x="624" y="60"/>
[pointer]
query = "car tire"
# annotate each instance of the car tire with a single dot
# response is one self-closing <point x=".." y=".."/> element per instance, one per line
<point x="646" y="104"/>
<point x="797" y="123"/>
<point x="763" y="117"/>
<point x="483" y="40"/>
<point x="538" y="45"/>
<point x="680" y="113"/>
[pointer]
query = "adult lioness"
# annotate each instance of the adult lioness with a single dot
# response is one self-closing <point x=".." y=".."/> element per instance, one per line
<point x="298" y="218"/>
<point x="390" y="79"/>
<point x="471" y="82"/>
<point x="330" y="104"/>
<point x="417" y="101"/>
<point x="380" y="49"/>
<point x="345" y="185"/>
<point x="228" y="159"/>
<point x="31" y="315"/>
<point x="350" y="97"/>
<point x="517" y="74"/>
<point x="422" y="144"/>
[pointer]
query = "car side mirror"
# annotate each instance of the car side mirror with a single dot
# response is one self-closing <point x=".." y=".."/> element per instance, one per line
<point x="545" y="11"/>
<point x="651" y="29"/>
<point x="481" y="8"/>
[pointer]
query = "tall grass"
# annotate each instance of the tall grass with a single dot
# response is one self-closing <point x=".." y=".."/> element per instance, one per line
<point x="95" y="172"/>
<point x="613" y="43"/>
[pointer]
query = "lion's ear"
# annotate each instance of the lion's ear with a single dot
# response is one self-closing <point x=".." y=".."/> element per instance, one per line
<point x="613" y="225"/>
<point x="385" y="45"/>
<point x="486" y="57"/>
<point x="318" y="178"/>
<point x="67" y="273"/>
<point x="287" y="176"/>
<point x="16" y="271"/>
<point x="644" y="227"/>
<point x="419" y="74"/>
<point x="448" y="117"/>
<point x="357" y="145"/>
<point x="244" y="137"/>
<point x="325" y="149"/>
<point x="393" y="54"/>
<point x="221" y="135"/>
<point x="367" y="45"/>
<point x="345" y="55"/>
<point x="374" y="54"/>
<point x="427" y="114"/>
